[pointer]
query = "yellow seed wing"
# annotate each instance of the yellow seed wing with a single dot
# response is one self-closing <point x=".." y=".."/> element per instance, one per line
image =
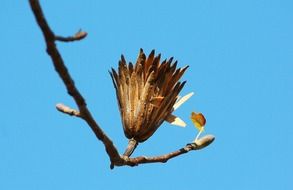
<point x="198" y="120"/>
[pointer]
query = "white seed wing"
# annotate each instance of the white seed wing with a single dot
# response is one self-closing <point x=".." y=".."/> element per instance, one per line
<point x="182" y="100"/>
<point x="174" y="120"/>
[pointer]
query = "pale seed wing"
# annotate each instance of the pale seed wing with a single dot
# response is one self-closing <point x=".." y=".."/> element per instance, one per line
<point x="174" y="120"/>
<point x="182" y="100"/>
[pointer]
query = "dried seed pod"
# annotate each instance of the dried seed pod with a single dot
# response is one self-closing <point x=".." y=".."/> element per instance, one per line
<point x="146" y="93"/>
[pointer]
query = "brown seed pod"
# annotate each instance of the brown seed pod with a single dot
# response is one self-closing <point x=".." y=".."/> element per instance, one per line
<point x="146" y="93"/>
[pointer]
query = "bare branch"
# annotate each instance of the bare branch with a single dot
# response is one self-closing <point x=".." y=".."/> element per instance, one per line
<point x="78" y="36"/>
<point x="199" y="144"/>
<point x="69" y="83"/>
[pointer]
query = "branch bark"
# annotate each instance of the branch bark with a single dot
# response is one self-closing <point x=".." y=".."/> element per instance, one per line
<point x="84" y="113"/>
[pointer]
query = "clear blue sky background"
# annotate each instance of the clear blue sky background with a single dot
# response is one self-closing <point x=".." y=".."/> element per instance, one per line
<point x="241" y="68"/>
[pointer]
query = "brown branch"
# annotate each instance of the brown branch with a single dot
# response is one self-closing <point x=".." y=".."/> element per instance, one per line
<point x="78" y="36"/>
<point x="199" y="144"/>
<point x="69" y="83"/>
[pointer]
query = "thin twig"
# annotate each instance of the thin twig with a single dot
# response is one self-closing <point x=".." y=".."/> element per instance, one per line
<point x="78" y="36"/>
<point x="199" y="144"/>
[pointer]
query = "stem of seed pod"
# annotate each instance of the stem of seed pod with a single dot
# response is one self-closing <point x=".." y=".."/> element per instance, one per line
<point x="132" y="144"/>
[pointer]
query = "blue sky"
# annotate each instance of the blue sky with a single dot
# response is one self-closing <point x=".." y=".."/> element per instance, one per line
<point x="240" y="55"/>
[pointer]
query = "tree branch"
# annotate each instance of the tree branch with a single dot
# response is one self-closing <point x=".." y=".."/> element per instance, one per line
<point x="85" y="114"/>
<point x="199" y="144"/>
<point x="69" y="83"/>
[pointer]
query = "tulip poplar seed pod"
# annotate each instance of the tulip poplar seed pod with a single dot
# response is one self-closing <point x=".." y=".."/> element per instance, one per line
<point x="146" y="93"/>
